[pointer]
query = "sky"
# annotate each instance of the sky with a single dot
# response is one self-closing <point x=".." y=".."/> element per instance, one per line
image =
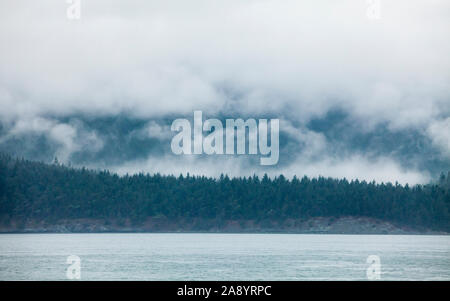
<point x="356" y="96"/>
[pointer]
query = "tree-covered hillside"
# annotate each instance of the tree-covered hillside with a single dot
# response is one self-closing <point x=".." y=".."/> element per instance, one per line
<point x="37" y="191"/>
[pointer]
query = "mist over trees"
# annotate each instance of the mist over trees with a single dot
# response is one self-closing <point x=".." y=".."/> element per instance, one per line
<point x="50" y="192"/>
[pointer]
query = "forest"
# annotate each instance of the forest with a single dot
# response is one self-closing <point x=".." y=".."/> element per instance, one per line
<point x="32" y="190"/>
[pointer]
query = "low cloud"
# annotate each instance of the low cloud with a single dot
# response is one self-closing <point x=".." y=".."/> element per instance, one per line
<point x="439" y="131"/>
<point x="154" y="61"/>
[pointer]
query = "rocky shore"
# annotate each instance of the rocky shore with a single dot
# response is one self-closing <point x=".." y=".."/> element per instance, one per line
<point x="317" y="225"/>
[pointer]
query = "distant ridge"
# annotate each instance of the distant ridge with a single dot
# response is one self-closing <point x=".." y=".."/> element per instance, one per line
<point x="39" y="197"/>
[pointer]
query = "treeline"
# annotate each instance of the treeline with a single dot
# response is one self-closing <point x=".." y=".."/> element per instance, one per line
<point x="38" y="191"/>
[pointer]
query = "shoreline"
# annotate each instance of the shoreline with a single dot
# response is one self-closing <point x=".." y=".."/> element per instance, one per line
<point x="317" y="225"/>
<point x="231" y="233"/>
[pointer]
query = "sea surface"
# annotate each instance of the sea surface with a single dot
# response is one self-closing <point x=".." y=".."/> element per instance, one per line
<point x="224" y="257"/>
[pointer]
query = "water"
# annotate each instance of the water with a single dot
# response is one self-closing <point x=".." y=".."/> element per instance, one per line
<point x="223" y="256"/>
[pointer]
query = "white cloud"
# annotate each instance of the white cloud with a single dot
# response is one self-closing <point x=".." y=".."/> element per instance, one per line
<point x="153" y="58"/>
<point x="69" y="137"/>
<point x="439" y="132"/>
<point x="382" y="169"/>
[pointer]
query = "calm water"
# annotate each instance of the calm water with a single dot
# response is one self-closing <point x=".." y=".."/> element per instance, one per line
<point x="223" y="256"/>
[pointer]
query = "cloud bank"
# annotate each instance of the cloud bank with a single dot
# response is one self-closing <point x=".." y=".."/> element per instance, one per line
<point x="356" y="97"/>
